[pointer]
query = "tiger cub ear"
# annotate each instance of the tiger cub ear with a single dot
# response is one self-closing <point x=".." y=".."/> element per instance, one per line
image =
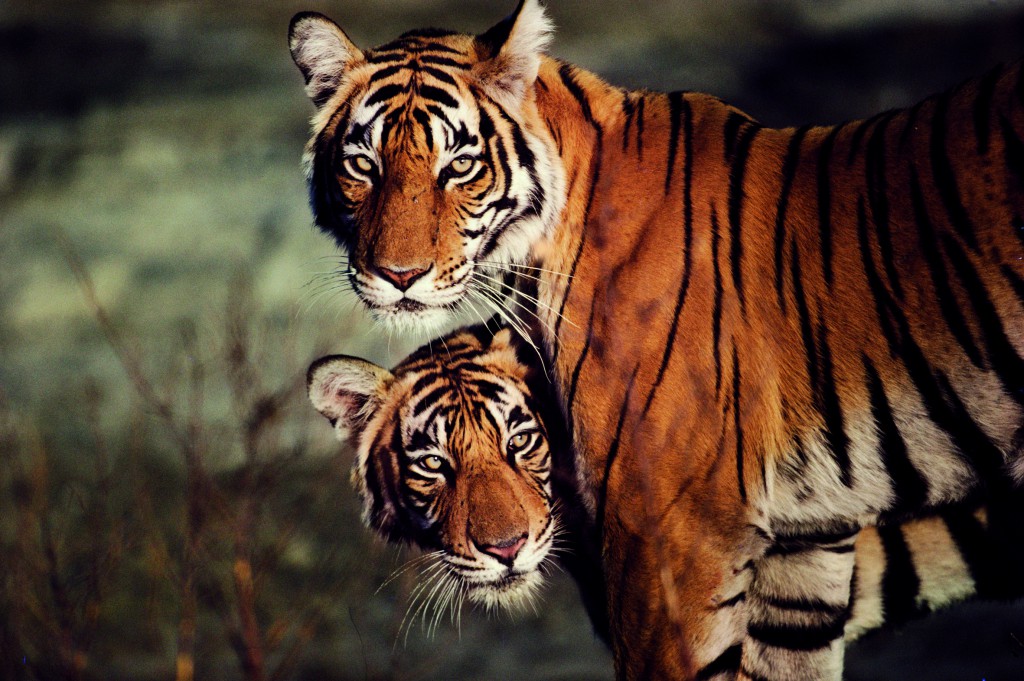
<point x="322" y="52"/>
<point x="510" y="52"/>
<point x="347" y="390"/>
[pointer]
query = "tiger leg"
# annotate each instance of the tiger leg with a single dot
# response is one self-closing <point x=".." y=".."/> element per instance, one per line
<point x="797" y="608"/>
<point x="676" y="588"/>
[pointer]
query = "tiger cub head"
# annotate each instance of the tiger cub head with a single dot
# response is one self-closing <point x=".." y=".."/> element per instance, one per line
<point x="428" y="164"/>
<point x="452" y="454"/>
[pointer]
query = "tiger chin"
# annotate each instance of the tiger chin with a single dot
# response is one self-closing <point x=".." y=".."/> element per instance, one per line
<point x="451" y="455"/>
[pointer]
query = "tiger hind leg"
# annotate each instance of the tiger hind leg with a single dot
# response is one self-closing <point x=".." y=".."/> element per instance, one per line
<point x="798" y="605"/>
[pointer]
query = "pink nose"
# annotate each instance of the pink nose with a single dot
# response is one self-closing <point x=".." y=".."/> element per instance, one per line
<point x="402" y="278"/>
<point x="505" y="551"/>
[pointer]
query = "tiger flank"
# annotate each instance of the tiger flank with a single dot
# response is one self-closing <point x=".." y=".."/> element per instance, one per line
<point x="801" y="333"/>
<point x="460" y="450"/>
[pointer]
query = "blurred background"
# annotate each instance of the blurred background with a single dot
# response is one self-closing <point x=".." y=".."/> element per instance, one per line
<point x="170" y="507"/>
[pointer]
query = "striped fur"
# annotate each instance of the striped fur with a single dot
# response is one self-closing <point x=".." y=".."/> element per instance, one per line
<point x="762" y="338"/>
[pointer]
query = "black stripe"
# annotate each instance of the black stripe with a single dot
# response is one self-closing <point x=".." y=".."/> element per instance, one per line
<point x="825" y="203"/>
<point x="627" y="109"/>
<point x="884" y="305"/>
<point x="1015" y="281"/>
<point x="789" y="170"/>
<point x="736" y="199"/>
<point x="640" y="128"/>
<point x="948" y="303"/>
<point x="727" y="662"/>
<point x="386" y="72"/>
<point x="489" y="390"/>
<point x="574" y="381"/>
<point x="945" y="177"/>
<point x="443" y="61"/>
<point x="835" y="429"/>
<point x="387" y="58"/>
<point x="484" y="414"/>
<point x="735" y="600"/>
<point x="788" y="548"/>
<point x="994" y="576"/>
<point x="806" y="328"/>
<point x="438" y="95"/>
<point x="684" y="284"/>
<point x="798" y="637"/>
<point x="441" y="76"/>
<point x="1007" y="364"/>
<point x="736" y="422"/>
<point x="858" y="137"/>
<point x="613" y="452"/>
<point x="595" y="175"/>
<point x="429" y="400"/>
<point x="983" y="109"/>
<point x="423" y="382"/>
<point x="900" y="583"/>
<point x="675" y="103"/>
<point x="716" y="310"/>
<point x="384" y="93"/>
<point x="734" y="122"/>
<point x="878" y="200"/>
<point x="567" y="74"/>
<point x="910" y="488"/>
<point x="423" y="118"/>
<point x="815" y="605"/>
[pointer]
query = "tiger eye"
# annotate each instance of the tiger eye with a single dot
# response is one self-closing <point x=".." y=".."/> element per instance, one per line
<point x="362" y="163"/>
<point x="432" y="463"/>
<point x="461" y="165"/>
<point x="517" y="442"/>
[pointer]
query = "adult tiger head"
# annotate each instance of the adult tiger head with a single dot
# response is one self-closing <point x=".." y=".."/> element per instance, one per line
<point x="452" y="453"/>
<point x="428" y="164"/>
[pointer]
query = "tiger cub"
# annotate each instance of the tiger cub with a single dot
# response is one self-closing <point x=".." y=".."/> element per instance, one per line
<point x="460" y="449"/>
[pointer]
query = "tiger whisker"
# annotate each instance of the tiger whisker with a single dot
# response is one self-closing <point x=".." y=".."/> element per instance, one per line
<point x="511" y="266"/>
<point x="518" y="324"/>
<point x="408" y="565"/>
<point x="497" y="297"/>
<point x="530" y="298"/>
<point x="418" y="592"/>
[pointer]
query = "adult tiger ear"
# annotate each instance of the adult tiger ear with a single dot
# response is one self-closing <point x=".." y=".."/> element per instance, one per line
<point x="510" y="53"/>
<point x="347" y="391"/>
<point x="322" y="52"/>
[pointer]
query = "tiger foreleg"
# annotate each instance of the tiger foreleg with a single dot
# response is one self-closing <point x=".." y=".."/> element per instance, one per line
<point x="797" y="607"/>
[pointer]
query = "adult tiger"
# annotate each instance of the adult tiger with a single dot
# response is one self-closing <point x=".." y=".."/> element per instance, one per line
<point x="461" y="450"/>
<point x="832" y="318"/>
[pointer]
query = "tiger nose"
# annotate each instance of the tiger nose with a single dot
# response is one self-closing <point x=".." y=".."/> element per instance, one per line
<point x="505" y="551"/>
<point x="402" y="277"/>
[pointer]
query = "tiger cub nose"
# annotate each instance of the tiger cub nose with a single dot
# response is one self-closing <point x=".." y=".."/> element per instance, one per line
<point x="402" y="277"/>
<point x="505" y="551"/>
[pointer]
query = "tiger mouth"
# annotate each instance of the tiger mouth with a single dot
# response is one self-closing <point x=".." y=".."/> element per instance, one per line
<point x="408" y="305"/>
<point x="513" y="591"/>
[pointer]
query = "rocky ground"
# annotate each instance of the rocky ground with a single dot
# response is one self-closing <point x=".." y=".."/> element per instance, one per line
<point x="158" y="144"/>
